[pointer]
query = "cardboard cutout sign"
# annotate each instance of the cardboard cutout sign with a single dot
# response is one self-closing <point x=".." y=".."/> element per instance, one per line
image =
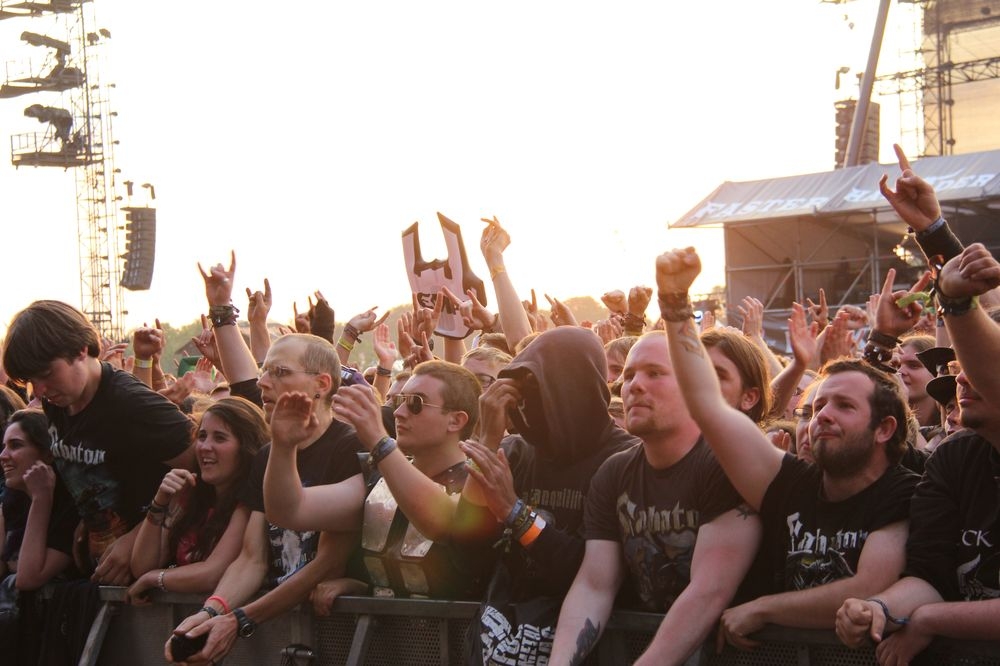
<point x="427" y="277"/>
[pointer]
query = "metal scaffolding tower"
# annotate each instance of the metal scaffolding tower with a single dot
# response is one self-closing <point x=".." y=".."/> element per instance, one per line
<point x="78" y="136"/>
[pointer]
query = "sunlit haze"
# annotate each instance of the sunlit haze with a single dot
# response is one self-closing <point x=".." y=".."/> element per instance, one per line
<point x="308" y="136"/>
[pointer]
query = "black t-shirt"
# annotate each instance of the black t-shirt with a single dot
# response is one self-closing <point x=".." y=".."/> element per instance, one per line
<point x="810" y="541"/>
<point x="655" y="514"/>
<point x="954" y="541"/>
<point x="62" y="521"/>
<point x="330" y="459"/>
<point x="110" y="455"/>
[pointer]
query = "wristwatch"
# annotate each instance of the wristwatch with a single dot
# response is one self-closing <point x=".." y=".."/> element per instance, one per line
<point x="246" y="626"/>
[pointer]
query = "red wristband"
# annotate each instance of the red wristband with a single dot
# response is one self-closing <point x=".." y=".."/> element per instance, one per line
<point x="222" y="602"/>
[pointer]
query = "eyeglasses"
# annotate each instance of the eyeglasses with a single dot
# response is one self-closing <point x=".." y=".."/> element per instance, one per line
<point x="805" y="412"/>
<point x="954" y="368"/>
<point x="486" y="380"/>
<point x="280" y="371"/>
<point x="413" y="401"/>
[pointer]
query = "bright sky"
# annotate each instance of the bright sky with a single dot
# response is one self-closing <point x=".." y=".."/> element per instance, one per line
<point x="308" y="137"/>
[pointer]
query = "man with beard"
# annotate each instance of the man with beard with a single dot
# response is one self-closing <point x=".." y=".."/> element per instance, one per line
<point x="951" y="584"/>
<point x="832" y="530"/>
<point x="663" y="514"/>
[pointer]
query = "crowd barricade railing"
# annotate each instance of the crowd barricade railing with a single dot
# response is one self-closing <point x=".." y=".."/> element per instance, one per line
<point x="403" y="632"/>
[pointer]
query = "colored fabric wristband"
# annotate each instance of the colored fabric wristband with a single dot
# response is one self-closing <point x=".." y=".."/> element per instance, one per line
<point x="901" y="621"/>
<point x="222" y="602"/>
<point x="534" y="531"/>
<point x="143" y="362"/>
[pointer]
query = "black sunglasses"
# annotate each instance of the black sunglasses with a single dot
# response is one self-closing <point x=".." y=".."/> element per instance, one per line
<point x="413" y="401"/>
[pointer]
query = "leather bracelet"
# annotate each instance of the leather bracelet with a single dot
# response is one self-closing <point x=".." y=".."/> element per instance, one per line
<point x="352" y="333"/>
<point x="211" y="611"/>
<point x="382" y="448"/>
<point x="514" y="511"/>
<point x="383" y="372"/>
<point x="883" y="339"/>
<point x="223" y="315"/>
<point x="675" y="307"/>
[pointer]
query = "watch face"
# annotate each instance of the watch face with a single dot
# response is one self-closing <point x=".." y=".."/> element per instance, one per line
<point x="246" y="625"/>
<point x="246" y="630"/>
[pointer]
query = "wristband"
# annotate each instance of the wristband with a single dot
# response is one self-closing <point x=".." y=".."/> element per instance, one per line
<point x="935" y="225"/>
<point x="383" y="372"/>
<point x="675" y="307"/>
<point x="223" y="315"/>
<point x="345" y="345"/>
<point x="352" y="333"/>
<point x="534" y="531"/>
<point x="883" y="339"/>
<point x="222" y="602"/>
<point x="211" y="611"/>
<point x="514" y="511"/>
<point x="382" y="448"/>
<point x="901" y="621"/>
<point x="496" y="270"/>
<point x="143" y="362"/>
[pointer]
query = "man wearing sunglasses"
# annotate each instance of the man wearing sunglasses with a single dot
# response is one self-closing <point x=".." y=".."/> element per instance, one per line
<point x="417" y="478"/>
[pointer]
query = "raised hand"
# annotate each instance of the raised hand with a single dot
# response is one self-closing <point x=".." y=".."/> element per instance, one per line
<point x="383" y="346"/>
<point x="892" y="319"/>
<point x="114" y="353"/>
<point x="205" y="343"/>
<point x="493" y="242"/>
<point x="147" y="342"/>
<point x="803" y="336"/>
<point x="559" y="312"/>
<point x="175" y="483"/>
<point x="474" y="315"/>
<point x="260" y="304"/>
<point x="537" y="321"/>
<point x="638" y="300"/>
<point x="425" y="320"/>
<point x="615" y="301"/>
<point x="300" y="321"/>
<point x="178" y="391"/>
<point x="404" y="341"/>
<point x="609" y="329"/>
<point x="357" y="406"/>
<point x="752" y="311"/>
<point x="219" y="282"/>
<point x="367" y="320"/>
<point x="293" y="421"/>
<point x="321" y="317"/>
<point x="819" y="312"/>
<point x="914" y="199"/>
<point x="835" y="341"/>
<point x="972" y="273"/>
<point x="491" y="471"/>
<point x="676" y="270"/>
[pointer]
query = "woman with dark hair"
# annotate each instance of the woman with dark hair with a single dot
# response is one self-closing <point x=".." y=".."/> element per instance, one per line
<point x="38" y="514"/>
<point x="194" y="523"/>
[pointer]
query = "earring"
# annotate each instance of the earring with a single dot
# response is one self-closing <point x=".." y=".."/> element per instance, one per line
<point x="316" y="397"/>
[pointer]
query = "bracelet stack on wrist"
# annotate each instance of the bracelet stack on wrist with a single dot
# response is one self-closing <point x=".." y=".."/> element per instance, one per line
<point x="633" y="323"/>
<point x="352" y="333"/>
<point x="675" y="307"/>
<point x="223" y="315"/>
<point x="383" y="372"/>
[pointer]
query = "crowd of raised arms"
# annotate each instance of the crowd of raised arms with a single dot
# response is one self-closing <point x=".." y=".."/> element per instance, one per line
<point x="679" y="467"/>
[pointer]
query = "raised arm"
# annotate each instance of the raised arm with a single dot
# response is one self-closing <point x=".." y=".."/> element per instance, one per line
<point x="804" y="350"/>
<point x="150" y="549"/>
<point x="973" y="334"/>
<point x="258" y="307"/>
<point x="420" y="499"/>
<point x="750" y="461"/>
<point x="513" y="318"/>
<point x="335" y="506"/>
<point x="238" y="364"/>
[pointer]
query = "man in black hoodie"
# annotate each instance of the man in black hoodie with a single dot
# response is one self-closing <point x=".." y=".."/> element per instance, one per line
<point x="531" y="486"/>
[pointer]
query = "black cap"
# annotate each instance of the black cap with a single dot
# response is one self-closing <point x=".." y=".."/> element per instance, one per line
<point x="942" y="388"/>
<point x="936" y="359"/>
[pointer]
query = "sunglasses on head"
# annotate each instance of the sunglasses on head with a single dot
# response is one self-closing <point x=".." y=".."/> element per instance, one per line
<point x="413" y="401"/>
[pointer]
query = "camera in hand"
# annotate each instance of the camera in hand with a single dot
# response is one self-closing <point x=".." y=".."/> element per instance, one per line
<point x="182" y="647"/>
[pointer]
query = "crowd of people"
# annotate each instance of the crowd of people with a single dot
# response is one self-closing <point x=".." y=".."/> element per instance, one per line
<point x="549" y="469"/>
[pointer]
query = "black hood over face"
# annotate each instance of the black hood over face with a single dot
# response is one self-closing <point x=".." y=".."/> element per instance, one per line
<point x="565" y="414"/>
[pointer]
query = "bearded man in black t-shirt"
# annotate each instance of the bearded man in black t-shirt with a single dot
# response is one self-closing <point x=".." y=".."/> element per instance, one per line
<point x="832" y="530"/>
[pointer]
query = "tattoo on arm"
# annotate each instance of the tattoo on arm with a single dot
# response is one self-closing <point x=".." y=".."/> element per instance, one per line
<point x="689" y="338"/>
<point x="585" y="642"/>
<point x="745" y="511"/>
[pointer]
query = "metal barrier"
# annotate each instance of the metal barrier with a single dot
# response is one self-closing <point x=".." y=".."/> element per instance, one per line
<point x="407" y="632"/>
